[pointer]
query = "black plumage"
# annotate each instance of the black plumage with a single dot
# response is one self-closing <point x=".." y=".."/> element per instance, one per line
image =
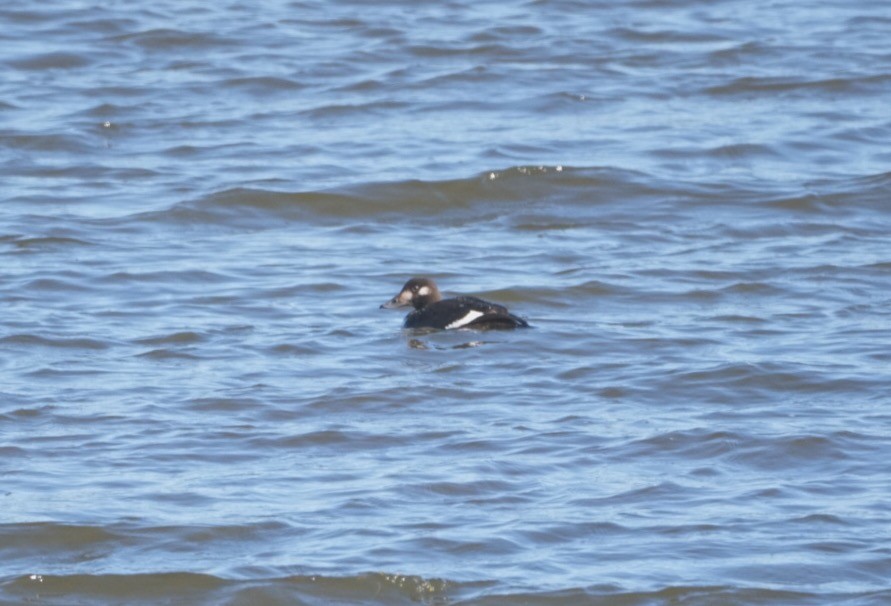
<point x="432" y="311"/>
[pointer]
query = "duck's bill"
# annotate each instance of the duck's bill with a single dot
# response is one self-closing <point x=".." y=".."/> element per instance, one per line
<point x="401" y="300"/>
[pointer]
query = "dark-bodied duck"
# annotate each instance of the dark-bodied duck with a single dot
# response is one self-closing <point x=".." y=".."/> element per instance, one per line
<point x="432" y="311"/>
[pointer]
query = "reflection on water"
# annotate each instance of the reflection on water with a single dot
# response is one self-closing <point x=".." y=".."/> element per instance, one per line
<point x="421" y="344"/>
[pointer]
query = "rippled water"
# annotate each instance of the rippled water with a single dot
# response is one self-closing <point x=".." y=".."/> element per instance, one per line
<point x="203" y="207"/>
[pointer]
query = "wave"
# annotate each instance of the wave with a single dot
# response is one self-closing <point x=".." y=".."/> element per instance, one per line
<point x="43" y="243"/>
<point x="777" y="85"/>
<point x="382" y="588"/>
<point x="200" y="588"/>
<point x="486" y="195"/>
<point x="61" y="342"/>
<point x="527" y="197"/>
<point x="53" y="60"/>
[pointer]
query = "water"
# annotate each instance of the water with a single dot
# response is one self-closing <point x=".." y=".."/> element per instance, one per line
<point x="204" y="206"/>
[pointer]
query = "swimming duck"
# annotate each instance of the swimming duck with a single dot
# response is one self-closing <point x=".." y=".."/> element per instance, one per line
<point x="432" y="311"/>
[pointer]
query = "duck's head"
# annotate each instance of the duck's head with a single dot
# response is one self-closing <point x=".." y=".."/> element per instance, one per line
<point x="417" y="292"/>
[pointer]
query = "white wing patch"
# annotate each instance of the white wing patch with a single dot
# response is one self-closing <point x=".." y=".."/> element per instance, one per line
<point x="466" y="319"/>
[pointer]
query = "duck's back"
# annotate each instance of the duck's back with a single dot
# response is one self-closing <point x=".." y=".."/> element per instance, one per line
<point x="461" y="312"/>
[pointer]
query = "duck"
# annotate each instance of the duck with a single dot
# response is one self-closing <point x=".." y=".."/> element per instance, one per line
<point x="432" y="311"/>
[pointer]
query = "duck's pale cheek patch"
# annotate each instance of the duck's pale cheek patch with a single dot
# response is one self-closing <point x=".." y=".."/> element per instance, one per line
<point x="424" y="291"/>
<point x="466" y="319"/>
